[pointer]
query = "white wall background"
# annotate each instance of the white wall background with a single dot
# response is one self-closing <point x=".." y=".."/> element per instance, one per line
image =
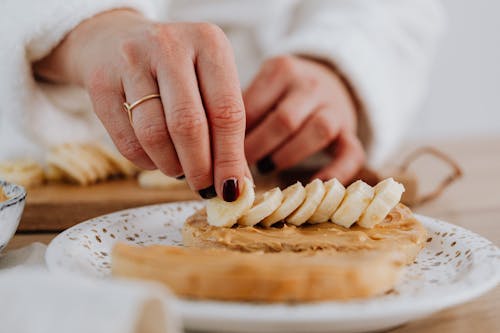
<point x="464" y="96"/>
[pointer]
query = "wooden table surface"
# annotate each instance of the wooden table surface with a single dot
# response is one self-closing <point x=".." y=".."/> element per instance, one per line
<point x="473" y="202"/>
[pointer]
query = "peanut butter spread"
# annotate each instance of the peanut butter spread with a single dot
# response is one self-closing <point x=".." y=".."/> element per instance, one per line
<point x="400" y="230"/>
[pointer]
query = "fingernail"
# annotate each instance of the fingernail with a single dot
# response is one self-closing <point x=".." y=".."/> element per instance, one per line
<point x="181" y="177"/>
<point x="208" y="193"/>
<point x="265" y="165"/>
<point x="230" y="191"/>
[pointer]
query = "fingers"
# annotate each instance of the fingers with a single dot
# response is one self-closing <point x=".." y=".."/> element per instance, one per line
<point x="318" y="132"/>
<point x="220" y="90"/>
<point x="148" y="122"/>
<point x="269" y="85"/>
<point x="186" y="121"/>
<point x="279" y="125"/>
<point x="348" y="158"/>
<point x="108" y="105"/>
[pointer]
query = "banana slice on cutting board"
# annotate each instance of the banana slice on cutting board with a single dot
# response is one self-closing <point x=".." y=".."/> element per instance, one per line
<point x="264" y="206"/>
<point x="155" y="179"/>
<point x="26" y="173"/>
<point x="120" y="164"/>
<point x="315" y="191"/>
<point x="387" y="195"/>
<point x="357" y="197"/>
<point x="293" y="196"/>
<point x="334" y="193"/>
<point x="225" y="214"/>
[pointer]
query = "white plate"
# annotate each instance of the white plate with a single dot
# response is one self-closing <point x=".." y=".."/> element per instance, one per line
<point x="456" y="265"/>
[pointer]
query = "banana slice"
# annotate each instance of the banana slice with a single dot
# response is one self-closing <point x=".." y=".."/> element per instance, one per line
<point x="120" y="164"/>
<point x="225" y="214"/>
<point x="64" y="158"/>
<point x="264" y="206"/>
<point x="334" y="193"/>
<point x="26" y="173"/>
<point x="387" y="195"/>
<point x="315" y="191"/>
<point x="155" y="179"/>
<point x="101" y="163"/>
<point x="293" y="197"/>
<point x="53" y="174"/>
<point x="357" y="198"/>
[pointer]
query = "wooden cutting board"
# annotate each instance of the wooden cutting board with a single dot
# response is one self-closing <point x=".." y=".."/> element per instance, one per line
<point x="55" y="207"/>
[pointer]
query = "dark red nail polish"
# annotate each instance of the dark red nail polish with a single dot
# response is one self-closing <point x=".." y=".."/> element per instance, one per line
<point x="230" y="191"/>
<point x="265" y="165"/>
<point x="208" y="193"/>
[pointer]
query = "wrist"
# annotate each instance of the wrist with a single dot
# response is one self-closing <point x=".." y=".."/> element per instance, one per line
<point x="69" y="61"/>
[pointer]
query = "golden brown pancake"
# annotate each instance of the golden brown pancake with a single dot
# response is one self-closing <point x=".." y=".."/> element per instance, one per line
<point x="279" y="264"/>
<point x="399" y="231"/>
<point x="264" y="277"/>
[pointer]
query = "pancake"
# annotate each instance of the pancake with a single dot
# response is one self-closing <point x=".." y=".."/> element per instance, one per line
<point x="221" y="274"/>
<point x="399" y="231"/>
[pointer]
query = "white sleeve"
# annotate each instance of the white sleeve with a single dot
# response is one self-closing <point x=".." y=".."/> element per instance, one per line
<point x="30" y="30"/>
<point x="383" y="48"/>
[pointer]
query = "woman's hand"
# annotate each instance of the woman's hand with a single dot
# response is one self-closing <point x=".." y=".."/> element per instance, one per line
<point x="296" y="107"/>
<point x="196" y="129"/>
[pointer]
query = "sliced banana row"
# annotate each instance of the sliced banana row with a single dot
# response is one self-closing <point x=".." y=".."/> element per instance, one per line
<point x="86" y="163"/>
<point x="317" y="202"/>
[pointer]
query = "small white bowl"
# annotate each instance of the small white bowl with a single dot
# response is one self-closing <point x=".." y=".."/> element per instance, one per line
<point x="10" y="211"/>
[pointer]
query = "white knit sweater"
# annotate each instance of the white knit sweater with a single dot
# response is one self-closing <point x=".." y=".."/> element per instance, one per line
<point x="383" y="48"/>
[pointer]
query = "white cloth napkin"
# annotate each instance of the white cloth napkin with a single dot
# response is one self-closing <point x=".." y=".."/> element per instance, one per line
<point x="34" y="300"/>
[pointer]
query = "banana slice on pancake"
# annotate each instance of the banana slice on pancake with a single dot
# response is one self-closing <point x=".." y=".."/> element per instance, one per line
<point x="315" y="191"/>
<point x="334" y="193"/>
<point x="387" y="195"/>
<point x="225" y="214"/>
<point x="357" y="197"/>
<point x="264" y="206"/>
<point x="293" y="196"/>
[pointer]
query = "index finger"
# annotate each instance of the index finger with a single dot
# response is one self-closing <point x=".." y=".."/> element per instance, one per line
<point x="221" y="94"/>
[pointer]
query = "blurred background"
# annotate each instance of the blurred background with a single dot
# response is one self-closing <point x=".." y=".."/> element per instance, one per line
<point x="463" y="98"/>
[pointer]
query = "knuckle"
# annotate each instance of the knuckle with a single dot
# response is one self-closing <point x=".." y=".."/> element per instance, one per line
<point x="210" y="32"/>
<point x="228" y="114"/>
<point x="162" y="33"/>
<point x="324" y="127"/>
<point x="165" y="37"/>
<point x="186" y="123"/>
<point x="282" y="64"/>
<point x="99" y="82"/>
<point x="285" y="121"/>
<point x="153" y="135"/>
<point x="310" y="84"/>
<point x="130" y="149"/>
<point x="131" y="52"/>
<point x="215" y="45"/>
